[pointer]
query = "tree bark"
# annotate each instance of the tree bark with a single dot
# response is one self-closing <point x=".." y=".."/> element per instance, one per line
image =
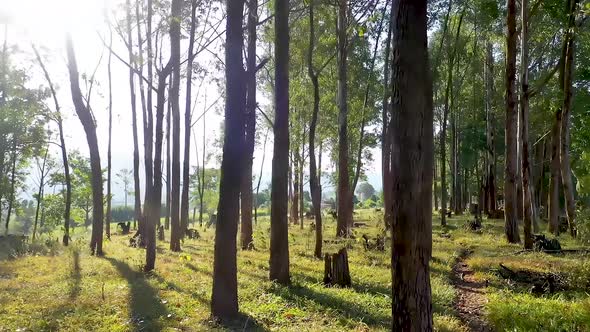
<point x="510" y="177"/>
<point x="184" y="201"/>
<point x="247" y="241"/>
<point x="176" y="227"/>
<point x="137" y="216"/>
<point x="528" y="208"/>
<point x="87" y="120"/>
<point x="555" y="175"/>
<point x="314" y="185"/>
<point x="279" y="227"/>
<point x="385" y="115"/>
<point x="490" y="185"/>
<point x="567" y="79"/>
<point x="224" y="298"/>
<point x="412" y="162"/>
<point x="109" y="164"/>
<point x="443" y="133"/>
<point x="344" y="220"/>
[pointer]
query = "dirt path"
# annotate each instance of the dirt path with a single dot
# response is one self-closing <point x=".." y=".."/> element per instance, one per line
<point x="471" y="299"/>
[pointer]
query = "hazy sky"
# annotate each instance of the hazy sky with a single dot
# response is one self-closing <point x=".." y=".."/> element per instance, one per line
<point x="45" y="24"/>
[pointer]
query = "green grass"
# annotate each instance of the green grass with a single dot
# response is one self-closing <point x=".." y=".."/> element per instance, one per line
<point x="66" y="289"/>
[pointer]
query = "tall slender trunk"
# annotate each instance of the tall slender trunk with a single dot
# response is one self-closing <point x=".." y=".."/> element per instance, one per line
<point x="137" y="189"/>
<point x="250" y="128"/>
<point x="301" y="167"/>
<point x="555" y="175"/>
<point x="176" y="227"/>
<point x="260" y="177"/>
<point x="184" y="202"/>
<point x="490" y="173"/>
<point x="527" y="200"/>
<point x="412" y="161"/>
<point x="224" y="298"/>
<point x="168" y="166"/>
<point x="567" y="79"/>
<point x="296" y="193"/>
<point x="510" y="177"/>
<point x="279" y="227"/>
<point x="12" y="183"/>
<point x="314" y="186"/>
<point x="40" y="192"/>
<point x="89" y="125"/>
<point x="202" y="184"/>
<point x="109" y="165"/>
<point x="64" y="153"/>
<point x="359" y="154"/>
<point x="385" y="114"/>
<point x="344" y="221"/>
<point x="443" y="134"/>
<point x="154" y="204"/>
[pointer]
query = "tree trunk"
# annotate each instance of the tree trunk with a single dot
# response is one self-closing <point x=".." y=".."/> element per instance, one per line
<point x="443" y="134"/>
<point x="64" y="153"/>
<point x="510" y="177"/>
<point x="385" y="115"/>
<point x="90" y="128"/>
<point x="12" y="184"/>
<point x="412" y="163"/>
<point x="40" y="193"/>
<point x="344" y="221"/>
<point x="247" y="241"/>
<point x="184" y="202"/>
<point x="314" y="186"/>
<point x="137" y="215"/>
<point x="555" y="175"/>
<point x="490" y="185"/>
<point x="527" y="200"/>
<point x="177" y="231"/>
<point x="260" y="177"/>
<point x="109" y="164"/>
<point x="279" y="228"/>
<point x="296" y="193"/>
<point x="567" y="79"/>
<point x="224" y="298"/>
<point x="168" y="168"/>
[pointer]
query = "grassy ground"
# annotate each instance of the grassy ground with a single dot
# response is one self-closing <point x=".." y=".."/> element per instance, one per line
<point x="68" y="290"/>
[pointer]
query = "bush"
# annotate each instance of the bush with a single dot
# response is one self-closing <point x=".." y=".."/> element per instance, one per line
<point x="122" y="214"/>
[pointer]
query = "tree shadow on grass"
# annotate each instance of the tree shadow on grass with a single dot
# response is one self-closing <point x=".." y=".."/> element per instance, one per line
<point x="75" y="275"/>
<point x="345" y="308"/>
<point x="145" y="308"/>
<point x="242" y="322"/>
<point x="198" y="269"/>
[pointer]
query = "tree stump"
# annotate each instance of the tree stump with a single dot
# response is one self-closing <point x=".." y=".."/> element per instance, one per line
<point x="161" y="233"/>
<point x="336" y="270"/>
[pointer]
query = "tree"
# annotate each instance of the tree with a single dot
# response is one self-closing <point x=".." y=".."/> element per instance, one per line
<point x="566" y="80"/>
<point x="134" y="119"/>
<point x="124" y="176"/>
<point x="187" y="124"/>
<point x="62" y="144"/>
<point x="365" y="191"/>
<point x="109" y="163"/>
<point x="279" y="227"/>
<point x="524" y="129"/>
<point x="314" y="183"/>
<point x="510" y="176"/>
<point x="344" y="220"/>
<point x="87" y="120"/>
<point x="176" y="232"/>
<point x="412" y="162"/>
<point x="224" y="297"/>
<point x="247" y="242"/>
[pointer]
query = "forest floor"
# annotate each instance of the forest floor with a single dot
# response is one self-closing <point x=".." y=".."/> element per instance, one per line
<point x="54" y="288"/>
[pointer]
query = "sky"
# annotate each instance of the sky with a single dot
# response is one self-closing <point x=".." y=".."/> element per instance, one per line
<point x="45" y="24"/>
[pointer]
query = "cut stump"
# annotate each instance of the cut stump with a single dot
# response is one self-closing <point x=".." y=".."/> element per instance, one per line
<point x="336" y="271"/>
